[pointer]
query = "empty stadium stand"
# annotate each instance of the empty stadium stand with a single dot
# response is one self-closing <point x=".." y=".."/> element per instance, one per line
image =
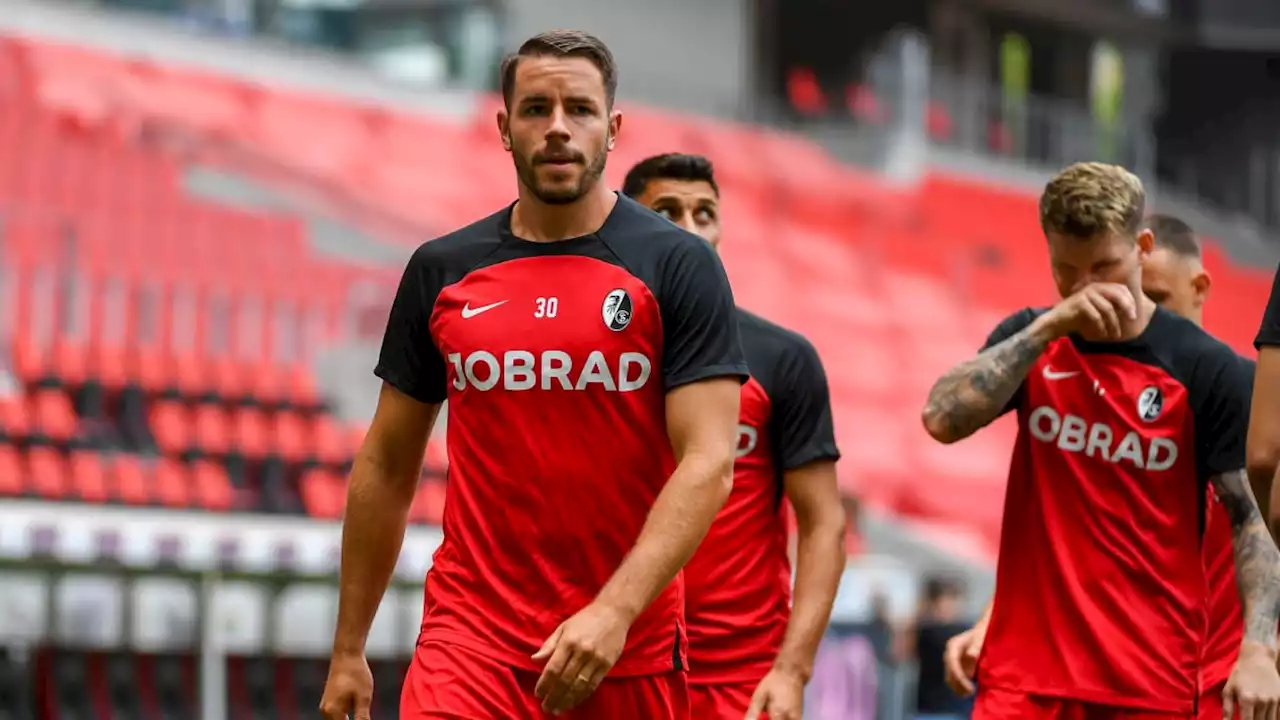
<point x="161" y="344"/>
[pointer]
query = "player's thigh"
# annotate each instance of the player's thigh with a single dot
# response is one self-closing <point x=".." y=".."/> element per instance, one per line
<point x="644" y="697"/>
<point x="446" y="682"/>
<point x="721" y="701"/>
<point x="998" y="704"/>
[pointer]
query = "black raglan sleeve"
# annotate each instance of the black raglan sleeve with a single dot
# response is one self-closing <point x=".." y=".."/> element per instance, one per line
<point x="800" y="423"/>
<point x="409" y="360"/>
<point x="1007" y="328"/>
<point x="1269" y="331"/>
<point x="1220" y="399"/>
<point x="699" y="324"/>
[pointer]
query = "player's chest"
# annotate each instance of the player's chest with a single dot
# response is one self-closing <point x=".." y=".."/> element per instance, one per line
<point x="528" y="331"/>
<point x="753" y="425"/>
<point x="1107" y="410"/>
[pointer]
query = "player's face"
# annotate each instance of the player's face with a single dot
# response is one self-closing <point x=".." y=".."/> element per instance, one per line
<point x="691" y="204"/>
<point x="559" y="128"/>
<point x="1177" y="282"/>
<point x="1110" y="258"/>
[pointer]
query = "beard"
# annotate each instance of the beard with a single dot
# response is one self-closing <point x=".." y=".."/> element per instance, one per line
<point x="527" y="172"/>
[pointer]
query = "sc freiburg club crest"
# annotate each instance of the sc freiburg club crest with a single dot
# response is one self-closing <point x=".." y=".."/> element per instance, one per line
<point x="616" y="310"/>
<point x="1150" y="403"/>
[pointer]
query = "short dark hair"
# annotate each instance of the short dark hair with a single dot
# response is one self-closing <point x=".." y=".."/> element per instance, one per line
<point x="1175" y="234"/>
<point x="563" y="43"/>
<point x="669" y="166"/>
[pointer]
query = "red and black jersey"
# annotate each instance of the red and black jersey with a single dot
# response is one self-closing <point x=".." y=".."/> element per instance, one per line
<point x="1226" y="618"/>
<point x="739" y="582"/>
<point x="1101" y="588"/>
<point x="555" y="359"/>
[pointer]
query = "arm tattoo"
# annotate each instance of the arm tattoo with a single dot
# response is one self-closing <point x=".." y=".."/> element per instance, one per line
<point x="1257" y="559"/>
<point x="974" y="393"/>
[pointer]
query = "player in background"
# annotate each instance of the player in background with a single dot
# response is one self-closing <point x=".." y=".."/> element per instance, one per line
<point x="1173" y="275"/>
<point x="590" y="357"/>
<point x="751" y="648"/>
<point x="1126" y="412"/>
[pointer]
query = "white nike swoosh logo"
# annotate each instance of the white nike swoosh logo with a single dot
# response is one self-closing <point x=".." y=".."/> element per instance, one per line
<point x="470" y="312"/>
<point x="1050" y="374"/>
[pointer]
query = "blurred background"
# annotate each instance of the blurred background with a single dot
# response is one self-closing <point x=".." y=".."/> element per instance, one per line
<point x="205" y="204"/>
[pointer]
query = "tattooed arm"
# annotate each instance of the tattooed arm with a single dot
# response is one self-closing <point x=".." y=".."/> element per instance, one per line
<point x="1257" y="559"/>
<point x="977" y="391"/>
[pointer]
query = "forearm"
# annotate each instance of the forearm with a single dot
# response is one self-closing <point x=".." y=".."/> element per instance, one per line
<point x="820" y="563"/>
<point x="1257" y="559"/>
<point x="678" y="521"/>
<point x="976" y="391"/>
<point x="372" y="533"/>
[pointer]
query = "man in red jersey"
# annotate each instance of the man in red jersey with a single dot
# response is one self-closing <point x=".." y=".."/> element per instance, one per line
<point x="1173" y="275"/>
<point x="1126" y="412"/>
<point x="751" y="649"/>
<point x="1263" y="447"/>
<point x="589" y="354"/>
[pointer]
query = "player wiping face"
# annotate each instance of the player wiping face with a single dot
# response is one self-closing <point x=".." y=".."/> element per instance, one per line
<point x="1107" y="328"/>
<point x="1174" y="277"/>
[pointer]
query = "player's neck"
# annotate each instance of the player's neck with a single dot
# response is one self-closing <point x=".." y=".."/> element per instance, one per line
<point x="536" y="221"/>
<point x="1146" y="310"/>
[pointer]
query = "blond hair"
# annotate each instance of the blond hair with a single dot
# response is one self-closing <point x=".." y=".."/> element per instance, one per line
<point x="1091" y="199"/>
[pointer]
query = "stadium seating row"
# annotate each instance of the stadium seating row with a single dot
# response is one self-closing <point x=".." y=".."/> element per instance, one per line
<point x="200" y="302"/>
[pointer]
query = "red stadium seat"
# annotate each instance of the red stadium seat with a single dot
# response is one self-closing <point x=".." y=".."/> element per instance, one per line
<point x="12" y="473"/>
<point x="171" y="427"/>
<point x="290" y="437"/>
<point x="54" y="416"/>
<point x="131" y="480"/>
<point x="212" y="487"/>
<point x="329" y="443"/>
<point x="172" y="484"/>
<point x="249" y="433"/>
<point x="323" y="494"/>
<point x="47" y="473"/>
<point x="211" y="433"/>
<point x="88" y="478"/>
<point x="14" y="421"/>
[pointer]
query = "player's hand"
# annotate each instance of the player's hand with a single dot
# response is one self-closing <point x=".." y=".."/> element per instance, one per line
<point x="780" y="694"/>
<point x="578" y="655"/>
<point x="1099" y="311"/>
<point x="348" y="693"/>
<point x="960" y="659"/>
<point x="1253" y="690"/>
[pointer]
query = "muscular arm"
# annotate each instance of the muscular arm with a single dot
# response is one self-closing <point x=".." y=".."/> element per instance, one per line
<point x="815" y="496"/>
<point x="977" y="391"/>
<point x="383" y="481"/>
<point x="1262" y="452"/>
<point x="1257" y="559"/>
<point x="702" y="423"/>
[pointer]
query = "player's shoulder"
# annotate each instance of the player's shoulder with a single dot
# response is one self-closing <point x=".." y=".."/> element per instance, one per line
<point x="639" y="233"/>
<point x="757" y="330"/>
<point x="462" y="249"/>
<point x="1191" y="350"/>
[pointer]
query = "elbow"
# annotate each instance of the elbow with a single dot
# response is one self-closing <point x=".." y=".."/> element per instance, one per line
<point x="1260" y="463"/>
<point x="718" y="476"/>
<point x="937" y="426"/>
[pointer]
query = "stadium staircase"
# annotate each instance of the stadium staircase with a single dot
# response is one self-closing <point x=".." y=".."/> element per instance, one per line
<point x="162" y="344"/>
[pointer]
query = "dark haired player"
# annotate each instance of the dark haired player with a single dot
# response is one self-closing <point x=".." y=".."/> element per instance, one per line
<point x="1127" y="412"/>
<point x="592" y="365"/>
<point x="751" y="650"/>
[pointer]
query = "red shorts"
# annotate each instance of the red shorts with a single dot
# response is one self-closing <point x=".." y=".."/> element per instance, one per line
<point x="997" y="704"/>
<point x="1211" y="702"/>
<point x="722" y="701"/>
<point x="446" y="681"/>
